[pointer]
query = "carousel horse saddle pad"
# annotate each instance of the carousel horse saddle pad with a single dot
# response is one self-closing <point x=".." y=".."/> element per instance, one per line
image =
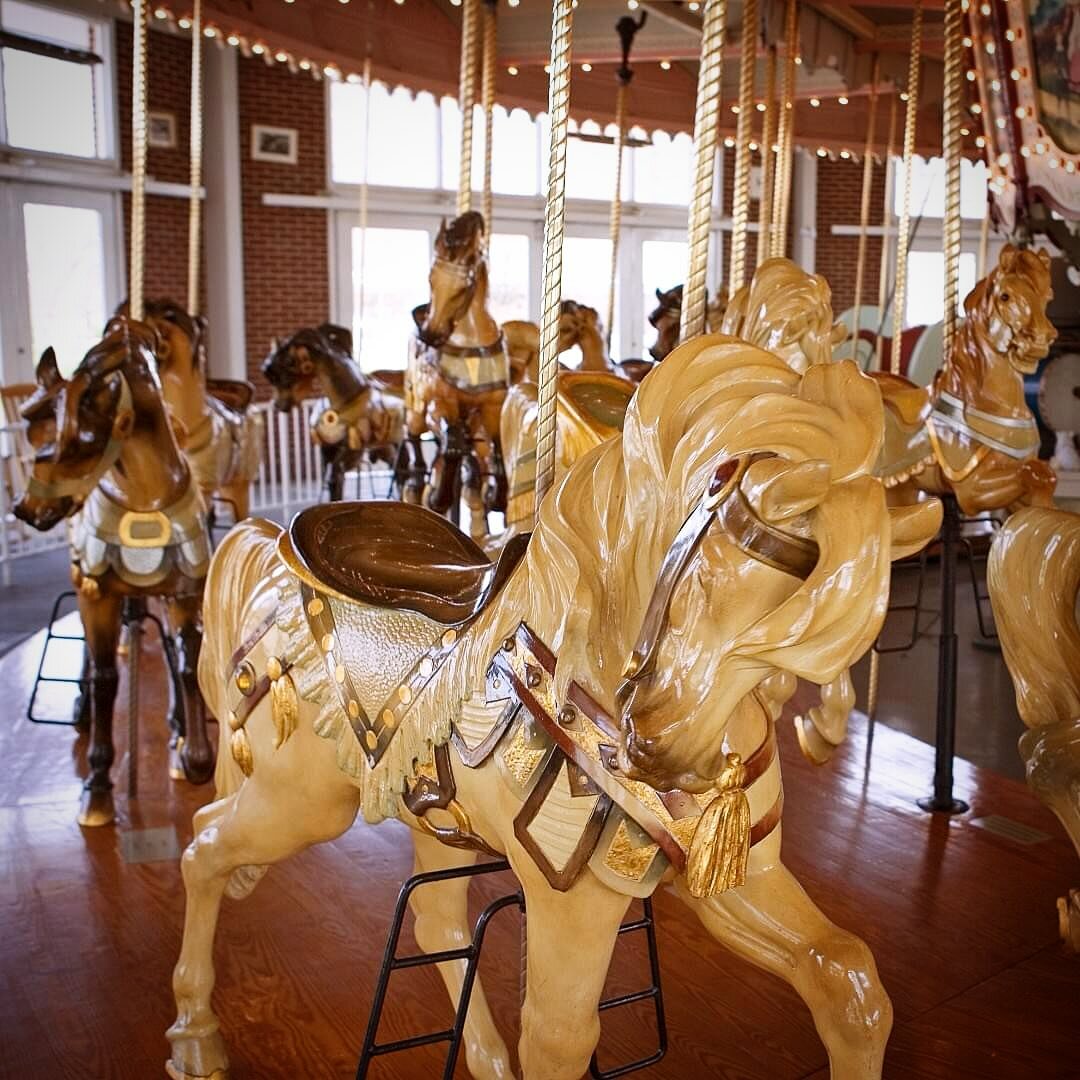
<point x="395" y="555"/>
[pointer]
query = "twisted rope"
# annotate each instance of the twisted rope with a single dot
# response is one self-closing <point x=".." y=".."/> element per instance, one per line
<point x="706" y="129"/>
<point x="951" y="120"/>
<point x="487" y="98"/>
<point x="900" y="292"/>
<point x="886" y="221"/>
<point x="768" y="159"/>
<point x="864" y="208"/>
<point x="138" y="161"/>
<point x="195" y="203"/>
<point x="554" y="219"/>
<point x="744" y="131"/>
<point x="466" y="98"/>
<point x="786" y="135"/>
<point x="616" y="199"/>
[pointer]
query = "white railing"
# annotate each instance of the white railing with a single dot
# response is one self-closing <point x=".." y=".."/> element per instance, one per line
<point x="289" y="477"/>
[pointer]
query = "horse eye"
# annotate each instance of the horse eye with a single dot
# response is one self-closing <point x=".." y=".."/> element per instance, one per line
<point x="1005" y="297"/>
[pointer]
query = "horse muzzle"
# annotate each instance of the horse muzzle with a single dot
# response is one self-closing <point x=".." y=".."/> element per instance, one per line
<point x="43" y="514"/>
<point x="432" y="336"/>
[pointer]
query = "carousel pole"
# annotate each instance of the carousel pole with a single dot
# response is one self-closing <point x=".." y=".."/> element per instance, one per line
<point x="943" y="799"/>
<point x="487" y="98"/>
<point x="744" y="132"/>
<point x="626" y="28"/>
<point x="706" y="130"/>
<point x="768" y="158"/>
<point x="786" y="133"/>
<point x="466" y="99"/>
<point x="138" y="160"/>
<point x="886" y="222"/>
<point x="910" y="115"/>
<point x="554" y="221"/>
<point x="195" y="203"/>
<point x="864" y="208"/>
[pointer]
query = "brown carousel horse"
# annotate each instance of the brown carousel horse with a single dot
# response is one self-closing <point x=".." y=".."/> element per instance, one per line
<point x="364" y="416"/>
<point x="105" y="449"/>
<point x="219" y="437"/>
<point x="592" y="709"/>
<point x="457" y="379"/>
<point x="1034" y="580"/>
<point x="972" y="434"/>
<point x="667" y="315"/>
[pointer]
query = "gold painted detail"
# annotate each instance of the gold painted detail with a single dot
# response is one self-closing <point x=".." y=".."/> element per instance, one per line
<point x="520" y="758"/>
<point x="144" y="529"/>
<point x="241" y="751"/>
<point x="720" y="847"/>
<point x="284" y="708"/>
<point x="274" y="668"/>
<point x="630" y="857"/>
<point x="245" y="679"/>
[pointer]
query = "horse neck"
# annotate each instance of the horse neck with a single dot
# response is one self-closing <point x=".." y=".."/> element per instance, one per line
<point x="476" y="327"/>
<point x="183" y="386"/>
<point x="342" y="380"/>
<point x="150" y="472"/>
<point x="981" y="376"/>
<point x="594" y="356"/>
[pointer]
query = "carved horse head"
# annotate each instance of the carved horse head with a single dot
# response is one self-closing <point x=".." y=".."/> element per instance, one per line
<point x="312" y="362"/>
<point x="458" y="271"/>
<point x="577" y="322"/>
<point x="77" y="427"/>
<point x="665" y="318"/>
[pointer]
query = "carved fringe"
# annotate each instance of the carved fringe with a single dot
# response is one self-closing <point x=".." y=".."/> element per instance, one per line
<point x="284" y="708"/>
<point x="721" y="845"/>
<point x="425" y="728"/>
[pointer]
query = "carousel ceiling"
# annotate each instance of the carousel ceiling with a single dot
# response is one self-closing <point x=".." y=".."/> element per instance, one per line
<point x="416" y="43"/>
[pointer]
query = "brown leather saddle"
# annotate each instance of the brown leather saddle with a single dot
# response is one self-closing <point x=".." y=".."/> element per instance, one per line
<point x="396" y="555"/>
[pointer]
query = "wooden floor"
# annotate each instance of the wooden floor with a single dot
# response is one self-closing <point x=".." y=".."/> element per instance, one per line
<point x="960" y="919"/>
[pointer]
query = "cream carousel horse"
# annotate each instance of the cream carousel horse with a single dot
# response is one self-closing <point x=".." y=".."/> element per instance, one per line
<point x="221" y="441"/>
<point x="365" y="413"/>
<point x="592" y="709"/>
<point x="1034" y="580"/>
<point x="105" y="449"/>
<point x="972" y="434"/>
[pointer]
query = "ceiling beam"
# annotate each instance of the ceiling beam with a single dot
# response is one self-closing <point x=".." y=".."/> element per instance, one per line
<point x="675" y="14"/>
<point x="845" y="16"/>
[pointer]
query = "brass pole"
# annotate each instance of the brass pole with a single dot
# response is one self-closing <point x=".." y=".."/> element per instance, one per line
<point x="466" y="99"/>
<point x="706" y="129"/>
<point x="487" y="97"/>
<point x="616" y="198"/>
<point x="886" y="245"/>
<point x="864" y="208"/>
<point x="768" y="159"/>
<point x="138" y="160"/>
<point x="786" y="135"/>
<point x="952" y="103"/>
<point x="744" y="131"/>
<point x="195" y="202"/>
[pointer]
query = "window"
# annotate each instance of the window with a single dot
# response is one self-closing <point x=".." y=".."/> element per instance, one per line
<point x="514" y="139"/>
<point x="586" y="275"/>
<point x="590" y="166"/>
<point x="663" y="264"/>
<point x="662" y="169"/>
<point x="508" y="276"/>
<point x="391" y="267"/>
<point x="926" y="286"/>
<point x="928" y="188"/>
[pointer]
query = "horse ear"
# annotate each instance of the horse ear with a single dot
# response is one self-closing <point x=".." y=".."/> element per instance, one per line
<point x="48" y="373"/>
<point x="1008" y="257"/>
<point x="1044" y="257"/>
<point x="275" y="344"/>
<point x="913" y="527"/>
<point x="659" y="295"/>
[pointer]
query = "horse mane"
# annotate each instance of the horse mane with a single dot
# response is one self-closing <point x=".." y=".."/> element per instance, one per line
<point x="464" y="233"/>
<point x="603" y="533"/>
<point x="192" y="326"/>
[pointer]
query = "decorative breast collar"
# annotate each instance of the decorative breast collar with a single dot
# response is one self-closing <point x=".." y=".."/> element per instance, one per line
<point x="1015" y="436"/>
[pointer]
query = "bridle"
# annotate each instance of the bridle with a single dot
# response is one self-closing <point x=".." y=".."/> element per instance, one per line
<point x="723" y="501"/>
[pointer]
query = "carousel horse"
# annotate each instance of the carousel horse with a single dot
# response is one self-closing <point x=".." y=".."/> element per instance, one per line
<point x="667" y="315"/>
<point x="590" y="705"/>
<point x="219" y="437"/>
<point x="365" y="412"/>
<point x="105" y="449"/>
<point x="1034" y="580"/>
<point x="972" y="434"/>
<point x="456" y="381"/>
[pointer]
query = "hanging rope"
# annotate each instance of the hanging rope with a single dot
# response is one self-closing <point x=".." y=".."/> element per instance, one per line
<point x="864" y="208"/>
<point x="195" y="203"/>
<point x="768" y="159"/>
<point x="138" y="161"/>
<point x="626" y="28"/>
<point x="886" y="222"/>
<point x="952" y="103"/>
<point x="900" y="291"/>
<point x="487" y="98"/>
<point x="744" y="132"/>
<point x="554" y="219"/>
<point x="466" y="99"/>
<point x="706" y="129"/>
<point x="786" y="135"/>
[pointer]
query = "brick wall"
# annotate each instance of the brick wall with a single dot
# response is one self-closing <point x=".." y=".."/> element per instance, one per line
<point x="839" y="193"/>
<point x="286" y="265"/>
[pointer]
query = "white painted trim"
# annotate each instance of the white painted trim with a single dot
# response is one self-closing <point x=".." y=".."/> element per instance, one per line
<point x="804" y="209"/>
<point x="223" y="242"/>
<point x="91" y="180"/>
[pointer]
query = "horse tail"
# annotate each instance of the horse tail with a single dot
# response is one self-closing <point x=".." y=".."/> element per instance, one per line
<point x="246" y="556"/>
<point x="1034" y="576"/>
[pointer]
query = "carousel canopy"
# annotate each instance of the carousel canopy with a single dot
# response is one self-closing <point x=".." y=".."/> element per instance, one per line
<point x="416" y="43"/>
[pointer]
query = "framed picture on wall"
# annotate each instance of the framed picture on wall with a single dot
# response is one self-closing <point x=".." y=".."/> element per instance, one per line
<point x="273" y="144"/>
<point x="161" y="130"/>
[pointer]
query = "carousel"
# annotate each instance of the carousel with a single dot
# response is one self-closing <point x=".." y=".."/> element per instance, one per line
<point x="555" y="677"/>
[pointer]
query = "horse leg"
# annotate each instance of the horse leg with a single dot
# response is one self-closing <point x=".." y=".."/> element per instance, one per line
<point x="82" y="712"/>
<point x="442" y="922"/>
<point x="571" y="936"/>
<point x="196" y="754"/>
<point x="266" y="821"/>
<point x="101" y="624"/>
<point x="771" y="922"/>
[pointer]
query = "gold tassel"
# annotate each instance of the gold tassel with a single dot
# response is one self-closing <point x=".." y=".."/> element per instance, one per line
<point x="284" y="707"/>
<point x="721" y="845"/>
<point x="241" y="751"/>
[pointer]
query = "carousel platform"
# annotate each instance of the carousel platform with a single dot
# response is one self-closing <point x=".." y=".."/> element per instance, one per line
<point x="958" y="912"/>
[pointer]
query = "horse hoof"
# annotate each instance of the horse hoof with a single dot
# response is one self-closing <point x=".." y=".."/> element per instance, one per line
<point x="196" y="770"/>
<point x="178" y="1074"/>
<point x="176" y="760"/>
<point x="96" y="808"/>
<point x="201" y="1058"/>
